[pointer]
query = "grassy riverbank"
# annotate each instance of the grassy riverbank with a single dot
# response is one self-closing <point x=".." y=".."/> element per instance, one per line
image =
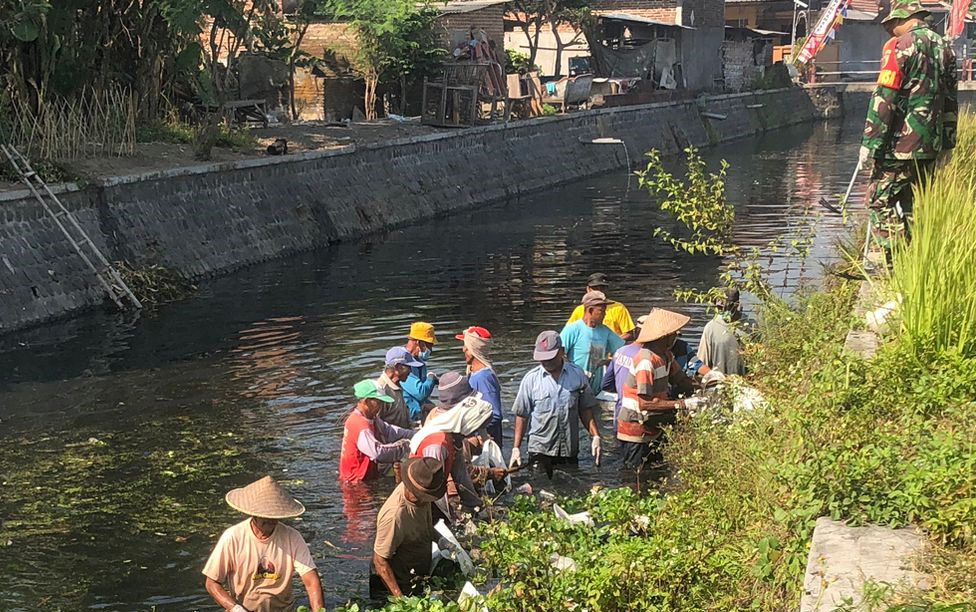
<point x="889" y="441"/>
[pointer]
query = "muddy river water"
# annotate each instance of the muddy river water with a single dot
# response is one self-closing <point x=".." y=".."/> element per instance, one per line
<point x="120" y="436"/>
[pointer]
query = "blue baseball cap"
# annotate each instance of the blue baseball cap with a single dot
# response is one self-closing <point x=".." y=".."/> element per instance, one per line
<point x="401" y="356"/>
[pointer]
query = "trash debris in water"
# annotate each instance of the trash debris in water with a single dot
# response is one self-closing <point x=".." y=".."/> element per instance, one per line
<point x="456" y="553"/>
<point x="562" y="563"/>
<point x="580" y="518"/>
<point x="470" y="593"/>
<point x="491" y="457"/>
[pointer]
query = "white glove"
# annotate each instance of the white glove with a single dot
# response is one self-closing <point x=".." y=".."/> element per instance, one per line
<point x="863" y="156"/>
<point x="695" y="404"/>
<point x="238" y="608"/>
<point x="595" y="448"/>
<point x="516" y="460"/>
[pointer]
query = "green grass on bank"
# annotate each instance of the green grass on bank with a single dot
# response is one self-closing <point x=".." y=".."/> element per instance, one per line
<point x="175" y="131"/>
<point x="889" y="442"/>
<point x="935" y="275"/>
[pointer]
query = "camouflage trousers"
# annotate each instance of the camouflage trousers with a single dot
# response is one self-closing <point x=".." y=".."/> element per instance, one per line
<point x="890" y="198"/>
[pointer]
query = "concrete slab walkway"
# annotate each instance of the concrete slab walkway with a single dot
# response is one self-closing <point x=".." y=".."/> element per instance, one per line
<point x="843" y="558"/>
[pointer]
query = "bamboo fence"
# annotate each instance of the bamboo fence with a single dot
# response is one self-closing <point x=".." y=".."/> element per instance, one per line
<point x="97" y="123"/>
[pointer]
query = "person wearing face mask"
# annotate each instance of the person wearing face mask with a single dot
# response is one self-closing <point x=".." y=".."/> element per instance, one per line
<point x="419" y="386"/>
<point x="719" y="346"/>
<point x="399" y="362"/>
<point x="482" y="378"/>
<point x="645" y="408"/>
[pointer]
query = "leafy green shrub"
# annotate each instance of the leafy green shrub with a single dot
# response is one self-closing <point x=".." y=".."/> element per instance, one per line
<point x="888" y="441"/>
<point x="935" y="274"/>
<point x="517" y="62"/>
<point x="239" y="139"/>
<point x="169" y="131"/>
<point x="173" y="131"/>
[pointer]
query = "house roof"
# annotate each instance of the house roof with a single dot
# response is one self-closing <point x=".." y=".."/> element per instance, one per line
<point x="757" y="31"/>
<point x="867" y="10"/>
<point x="642" y="20"/>
<point x="457" y="7"/>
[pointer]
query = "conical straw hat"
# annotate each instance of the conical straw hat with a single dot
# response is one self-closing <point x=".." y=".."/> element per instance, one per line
<point x="264" y="498"/>
<point x="660" y="323"/>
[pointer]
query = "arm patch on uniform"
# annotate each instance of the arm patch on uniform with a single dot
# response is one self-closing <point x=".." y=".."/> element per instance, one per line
<point x="891" y="74"/>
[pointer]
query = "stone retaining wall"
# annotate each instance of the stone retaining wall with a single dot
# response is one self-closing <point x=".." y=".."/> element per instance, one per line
<point x="208" y="220"/>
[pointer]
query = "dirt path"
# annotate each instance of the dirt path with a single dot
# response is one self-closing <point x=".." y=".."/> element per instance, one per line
<point x="301" y="137"/>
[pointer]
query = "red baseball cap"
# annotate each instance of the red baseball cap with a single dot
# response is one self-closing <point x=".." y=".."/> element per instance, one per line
<point x="481" y="332"/>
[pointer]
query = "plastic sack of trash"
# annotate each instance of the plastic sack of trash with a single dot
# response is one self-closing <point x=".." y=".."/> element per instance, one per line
<point x="470" y="593"/>
<point x="562" y="563"/>
<point x="879" y="319"/>
<point x="435" y="556"/>
<point x="580" y="518"/>
<point x="731" y="394"/>
<point x="748" y="399"/>
<point x="458" y="554"/>
<point x="491" y="457"/>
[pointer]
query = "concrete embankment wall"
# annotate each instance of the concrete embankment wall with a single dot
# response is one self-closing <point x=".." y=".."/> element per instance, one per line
<point x="209" y="220"/>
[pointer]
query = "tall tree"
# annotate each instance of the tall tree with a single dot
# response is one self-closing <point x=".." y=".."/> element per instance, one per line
<point x="394" y="38"/>
<point x="229" y="27"/>
<point x="57" y="49"/>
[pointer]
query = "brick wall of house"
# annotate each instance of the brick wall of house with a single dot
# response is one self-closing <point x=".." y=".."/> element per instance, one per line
<point x="744" y="61"/>
<point x="490" y="19"/>
<point x="660" y="10"/>
<point x="707" y="13"/>
<point x="337" y="36"/>
<point x="569" y="41"/>
<point x="311" y="91"/>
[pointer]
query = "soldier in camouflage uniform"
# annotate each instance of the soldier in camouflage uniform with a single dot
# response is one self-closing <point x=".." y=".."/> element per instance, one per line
<point x="911" y="117"/>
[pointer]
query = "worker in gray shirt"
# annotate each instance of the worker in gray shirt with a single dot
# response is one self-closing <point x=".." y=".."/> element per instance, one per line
<point x="719" y="346"/>
<point x="553" y="399"/>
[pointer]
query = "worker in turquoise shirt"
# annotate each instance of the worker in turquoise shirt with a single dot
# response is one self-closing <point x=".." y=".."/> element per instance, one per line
<point x="588" y="342"/>
<point x="418" y="388"/>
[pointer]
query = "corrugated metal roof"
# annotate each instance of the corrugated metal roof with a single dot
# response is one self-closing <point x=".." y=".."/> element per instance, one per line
<point x="757" y="31"/>
<point x="456" y="7"/>
<point x="642" y="20"/>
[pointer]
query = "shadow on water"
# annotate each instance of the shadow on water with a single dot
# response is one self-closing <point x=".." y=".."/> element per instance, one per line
<point x="120" y="435"/>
